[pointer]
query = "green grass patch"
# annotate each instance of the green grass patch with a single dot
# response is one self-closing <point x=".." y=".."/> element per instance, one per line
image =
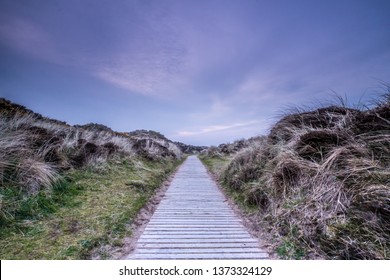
<point x="89" y="211"/>
<point x="288" y="249"/>
<point x="216" y="164"/>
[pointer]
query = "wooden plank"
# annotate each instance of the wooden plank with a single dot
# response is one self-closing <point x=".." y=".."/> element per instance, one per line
<point x="189" y="225"/>
<point x="208" y="256"/>
<point x="190" y="231"/>
<point x="217" y="233"/>
<point x="194" y="209"/>
<point x="194" y="217"/>
<point x="202" y="218"/>
<point x="194" y="227"/>
<point x="205" y="217"/>
<point x="194" y="223"/>
<point x="171" y="235"/>
<point x="196" y="240"/>
<point x="195" y="235"/>
<point x="196" y="250"/>
<point x="199" y="246"/>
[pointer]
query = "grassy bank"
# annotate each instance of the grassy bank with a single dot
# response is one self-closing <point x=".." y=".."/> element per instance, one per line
<point x="216" y="164"/>
<point x="87" y="214"/>
<point x="320" y="182"/>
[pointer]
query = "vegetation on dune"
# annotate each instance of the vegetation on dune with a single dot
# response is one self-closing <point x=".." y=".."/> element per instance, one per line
<point x="320" y="182"/>
<point x="67" y="191"/>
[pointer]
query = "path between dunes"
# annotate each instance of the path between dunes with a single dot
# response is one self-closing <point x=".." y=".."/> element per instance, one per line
<point x="194" y="221"/>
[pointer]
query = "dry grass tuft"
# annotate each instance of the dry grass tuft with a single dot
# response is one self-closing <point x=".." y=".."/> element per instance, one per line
<point x="33" y="175"/>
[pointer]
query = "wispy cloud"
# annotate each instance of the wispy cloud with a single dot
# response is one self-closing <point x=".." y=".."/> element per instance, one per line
<point x="216" y="128"/>
<point x="146" y="72"/>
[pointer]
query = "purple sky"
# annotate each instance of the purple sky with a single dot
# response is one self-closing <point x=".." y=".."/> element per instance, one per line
<point x="201" y="72"/>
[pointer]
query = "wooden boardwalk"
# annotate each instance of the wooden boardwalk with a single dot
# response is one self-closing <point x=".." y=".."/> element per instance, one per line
<point x="193" y="221"/>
